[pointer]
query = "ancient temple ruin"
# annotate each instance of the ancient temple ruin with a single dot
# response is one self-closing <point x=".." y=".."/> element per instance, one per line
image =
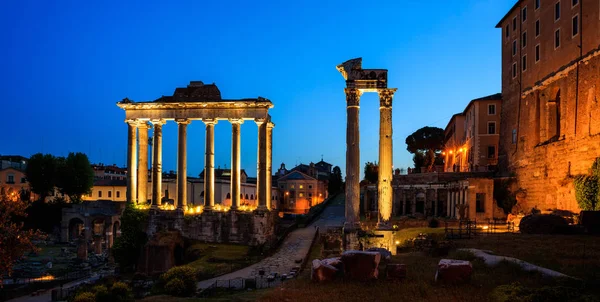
<point x="358" y="81"/>
<point x="210" y="222"/>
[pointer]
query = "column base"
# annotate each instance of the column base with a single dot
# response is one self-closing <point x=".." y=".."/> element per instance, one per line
<point x="262" y="209"/>
<point x="208" y="209"/>
<point x="351" y="226"/>
<point x="234" y="208"/>
<point x="384" y="225"/>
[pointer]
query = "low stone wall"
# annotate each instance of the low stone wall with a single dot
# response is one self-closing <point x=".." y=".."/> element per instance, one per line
<point x="249" y="228"/>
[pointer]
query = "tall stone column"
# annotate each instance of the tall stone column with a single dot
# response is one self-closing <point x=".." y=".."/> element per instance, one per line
<point x="142" y="174"/>
<point x="182" y="163"/>
<point x="236" y="162"/>
<point x="131" y="160"/>
<point x="157" y="165"/>
<point x="261" y="180"/>
<point x="269" y="164"/>
<point x="413" y="209"/>
<point x="448" y="203"/>
<point x="403" y="192"/>
<point x="384" y="185"/>
<point x="352" y="158"/>
<point x="209" y="165"/>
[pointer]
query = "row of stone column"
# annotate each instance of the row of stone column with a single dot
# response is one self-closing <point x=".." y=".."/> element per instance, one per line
<point x="456" y="197"/>
<point x="413" y="209"/>
<point x="353" y="168"/>
<point x="137" y="165"/>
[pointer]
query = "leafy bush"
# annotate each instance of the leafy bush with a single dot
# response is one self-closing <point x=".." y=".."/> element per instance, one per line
<point x="542" y="224"/>
<point x="586" y="192"/>
<point x="515" y="292"/>
<point x="121" y="292"/>
<point x="85" y="297"/>
<point x="176" y="287"/>
<point x="128" y="246"/>
<point x="434" y="223"/>
<point x="184" y="274"/>
<point x="102" y="294"/>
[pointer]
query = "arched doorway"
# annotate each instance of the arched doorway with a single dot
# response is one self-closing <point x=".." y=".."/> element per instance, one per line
<point x="116" y="229"/>
<point x="76" y="229"/>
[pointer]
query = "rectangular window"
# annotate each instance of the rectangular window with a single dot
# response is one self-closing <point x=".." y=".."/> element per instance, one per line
<point x="99" y="194"/>
<point x="301" y="186"/>
<point x="310" y="186"/>
<point x="109" y="194"/>
<point x="537" y="28"/>
<point x="491" y="109"/>
<point x="524" y="63"/>
<point x="514" y="70"/>
<point x="514" y="52"/>
<point x="537" y="53"/>
<point x="507" y="31"/>
<point x="524" y="39"/>
<point x="575" y="25"/>
<point x="309" y="194"/>
<point x="537" y="4"/>
<point x="491" y="127"/>
<point x="557" y="11"/>
<point x="491" y="151"/>
<point x="480" y="202"/>
<point x="514" y="23"/>
<point x="10" y="179"/>
<point x="23" y="180"/>
<point x="557" y="38"/>
<point x="514" y="136"/>
<point x="574" y="2"/>
<point x="119" y="195"/>
<point x="524" y="14"/>
<point x="300" y="194"/>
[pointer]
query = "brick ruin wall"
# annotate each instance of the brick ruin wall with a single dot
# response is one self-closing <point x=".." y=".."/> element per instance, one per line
<point x="556" y="140"/>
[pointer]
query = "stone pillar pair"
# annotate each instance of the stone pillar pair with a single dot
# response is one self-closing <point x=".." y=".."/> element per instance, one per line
<point x="353" y="157"/>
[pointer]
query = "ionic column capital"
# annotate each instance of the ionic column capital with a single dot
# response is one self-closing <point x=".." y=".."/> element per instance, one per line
<point x="385" y="96"/>
<point x="133" y="122"/>
<point x="209" y="121"/>
<point x="158" y="122"/>
<point x="260" y="121"/>
<point x="352" y="97"/>
<point x="143" y="125"/>
<point x="238" y="121"/>
<point x="183" y="121"/>
<point x="270" y="125"/>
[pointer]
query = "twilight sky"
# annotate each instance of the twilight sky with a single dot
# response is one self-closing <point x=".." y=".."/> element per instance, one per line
<point x="65" y="64"/>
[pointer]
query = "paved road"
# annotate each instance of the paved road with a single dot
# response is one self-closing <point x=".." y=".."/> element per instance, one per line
<point x="46" y="296"/>
<point x="294" y="248"/>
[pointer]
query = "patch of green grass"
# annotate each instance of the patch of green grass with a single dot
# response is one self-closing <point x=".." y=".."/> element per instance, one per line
<point x="403" y="235"/>
<point x="213" y="259"/>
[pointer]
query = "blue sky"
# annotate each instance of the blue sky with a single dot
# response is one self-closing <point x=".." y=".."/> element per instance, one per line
<point x="65" y="64"/>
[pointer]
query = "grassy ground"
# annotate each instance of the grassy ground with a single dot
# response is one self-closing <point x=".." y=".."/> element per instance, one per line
<point x="217" y="259"/>
<point x="574" y="255"/>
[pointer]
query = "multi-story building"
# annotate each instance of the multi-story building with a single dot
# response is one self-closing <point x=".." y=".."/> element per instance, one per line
<point x="551" y="90"/>
<point x="471" y="137"/>
<point x="298" y="192"/>
<point x="109" y="172"/>
<point x="13" y="161"/>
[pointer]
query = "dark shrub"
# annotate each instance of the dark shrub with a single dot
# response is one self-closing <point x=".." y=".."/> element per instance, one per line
<point x="85" y="297"/>
<point x="433" y="223"/>
<point x="184" y="274"/>
<point x="176" y="287"/>
<point x="121" y="292"/>
<point x="516" y="292"/>
<point x="591" y="221"/>
<point x="542" y="224"/>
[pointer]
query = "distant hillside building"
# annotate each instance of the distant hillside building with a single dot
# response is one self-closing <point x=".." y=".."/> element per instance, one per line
<point x="551" y="91"/>
<point x="109" y="172"/>
<point x="471" y="137"/>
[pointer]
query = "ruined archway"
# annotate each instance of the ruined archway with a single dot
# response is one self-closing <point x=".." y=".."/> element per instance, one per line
<point x="76" y="229"/>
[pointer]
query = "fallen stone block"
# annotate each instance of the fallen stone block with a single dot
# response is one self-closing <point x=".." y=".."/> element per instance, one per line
<point x="395" y="271"/>
<point x="453" y="271"/>
<point x="359" y="265"/>
<point x="385" y="254"/>
<point x="322" y="272"/>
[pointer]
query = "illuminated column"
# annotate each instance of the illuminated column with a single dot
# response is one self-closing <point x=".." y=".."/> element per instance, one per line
<point x="131" y="160"/>
<point x="235" y="162"/>
<point x="269" y="163"/>
<point x="467" y="200"/>
<point x="209" y="165"/>
<point x="182" y="163"/>
<point x="384" y="187"/>
<point x="157" y="165"/>
<point x="261" y="180"/>
<point x="142" y="174"/>
<point x="352" y="158"/>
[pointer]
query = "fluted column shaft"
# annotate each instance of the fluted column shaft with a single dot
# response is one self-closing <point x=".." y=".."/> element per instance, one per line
<point x="235" y="162"/>
<point x="131" y="160"/>
<point x="384" y="186"/>
<point x="261" y="180"/>
<point x="352" y="158"/>
<point x="142" y="169"/>
<point x="182" y="163"/>
<point x="157" y="165"/>
<point x="209" y="165"/>
<point x="269" y="163"/>
<point x="435" y="203"/>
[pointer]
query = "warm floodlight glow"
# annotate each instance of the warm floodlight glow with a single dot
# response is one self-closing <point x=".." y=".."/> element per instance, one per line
<point x="450" y="152"/>
<point x="397" y="242"/>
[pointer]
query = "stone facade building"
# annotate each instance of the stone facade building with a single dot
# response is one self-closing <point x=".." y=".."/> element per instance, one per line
<point x="298" y="192"/>
<point x="471" y="137"/>
<point x="551" y="89"/>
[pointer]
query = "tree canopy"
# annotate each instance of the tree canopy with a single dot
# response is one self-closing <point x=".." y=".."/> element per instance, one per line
<point x="336" y="184"/>
<point x="371" y="172"/>
<point x="73" y="175"/>
<point x="426" y="144"/>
